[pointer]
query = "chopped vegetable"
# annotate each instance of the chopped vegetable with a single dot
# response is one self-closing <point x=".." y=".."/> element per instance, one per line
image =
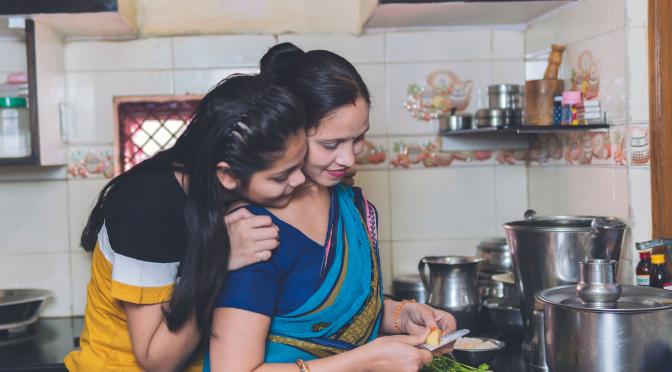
<point x="433" y="339"/>
<point x="447" y="364"/>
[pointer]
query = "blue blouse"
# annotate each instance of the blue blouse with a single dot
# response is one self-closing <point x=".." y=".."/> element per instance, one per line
<point x="284" y="282"/>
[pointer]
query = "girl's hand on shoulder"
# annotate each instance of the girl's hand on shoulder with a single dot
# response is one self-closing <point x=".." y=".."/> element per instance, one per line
<point x="252" y="238"/>
<point x="417" y="319"/>
<point x="397" y="353"/>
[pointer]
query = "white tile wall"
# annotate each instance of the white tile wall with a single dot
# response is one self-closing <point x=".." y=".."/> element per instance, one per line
<point x="90" y="98"/>
<point x="506" y="72"/>
<point x="80" y="264"/>
<point x="508" y="44"/>
<point x="143" y="54"/>
<point x="220" y="51"/>
<point x="50" y="271"/>
<point x="510" y="195"/>
<point x="34" y="218"/>
<point x="636" y="45"/>
<point x="374" y="75"/>
<point x="376" y="187"/>
<point x="13" y="56"/>
<point x="591" y="191"/>
<point x="437" y="46"/>
<point x="202" y="80"/>
<point x="636" y="12"/>
<point x="82" y="196"/>
<point x="547" y="193"/>
<point x="368" y="48"/>
<point x="444" y="203"/>
<point x="386" y="260"/>
<point x="640" y="203"/>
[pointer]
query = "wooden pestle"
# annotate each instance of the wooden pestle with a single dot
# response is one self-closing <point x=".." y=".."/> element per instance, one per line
<point x="554" y="60"/>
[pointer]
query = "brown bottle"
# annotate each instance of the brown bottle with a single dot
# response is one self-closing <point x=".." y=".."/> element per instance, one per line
<point x="643" y="270"/>
<point x="659" y="277"/>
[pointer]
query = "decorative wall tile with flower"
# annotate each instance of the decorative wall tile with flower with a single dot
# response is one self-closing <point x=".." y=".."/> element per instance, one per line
<point x="444" y="90"/>
<point x="91" y="163"/>
<point x="586" y="75"/>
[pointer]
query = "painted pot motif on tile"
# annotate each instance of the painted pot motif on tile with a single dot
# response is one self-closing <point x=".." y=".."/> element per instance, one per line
<point x="427" y="154"/>
<point x="442" y="91"/>
<point x="91" y="163"/>
<point x="639" y="145"/>
<point x="371" y="154"/>
<point x="586" y="75"/>
<point x="601" y="148"/>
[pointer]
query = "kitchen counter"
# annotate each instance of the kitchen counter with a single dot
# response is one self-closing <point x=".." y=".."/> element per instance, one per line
<point x="42" y="347"/>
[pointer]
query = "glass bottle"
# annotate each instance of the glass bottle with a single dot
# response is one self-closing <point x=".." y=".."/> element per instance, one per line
<point x="643" y="270"/>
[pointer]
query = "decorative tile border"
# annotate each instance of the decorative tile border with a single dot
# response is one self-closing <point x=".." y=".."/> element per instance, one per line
<point x="374" y="154"/>
<point x="580" y="148"/>
<point x="638" y="143"/>
<point x="91" y="163"/>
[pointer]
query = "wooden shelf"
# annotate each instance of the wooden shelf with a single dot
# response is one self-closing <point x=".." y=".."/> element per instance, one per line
<point x="527" y="129"/>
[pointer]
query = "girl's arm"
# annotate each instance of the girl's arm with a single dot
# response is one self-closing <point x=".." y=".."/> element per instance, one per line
<point x="238" y="343"/>
<point x="155" y="347"/>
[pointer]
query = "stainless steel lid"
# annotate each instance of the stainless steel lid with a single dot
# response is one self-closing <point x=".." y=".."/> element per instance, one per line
<point x="504" y="88"/>
<point x="488" y="113"/>
<point x="451" y="260"/>
<point x="633" y="300"/>
<point x="408" y="282"/>
<point x="565" y="223"/>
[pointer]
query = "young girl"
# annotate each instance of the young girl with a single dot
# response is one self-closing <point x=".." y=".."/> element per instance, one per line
<point x="319" y="298"/>
<point x="160" y="246"/>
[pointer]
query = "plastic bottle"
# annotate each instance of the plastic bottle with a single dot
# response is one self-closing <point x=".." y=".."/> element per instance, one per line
<point x="659" y="277"/>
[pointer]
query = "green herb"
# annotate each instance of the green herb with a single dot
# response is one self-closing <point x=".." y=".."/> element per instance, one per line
<point x="447" y="364"/>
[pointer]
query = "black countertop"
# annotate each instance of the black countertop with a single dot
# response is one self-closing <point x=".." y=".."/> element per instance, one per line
<point x="44" y="346"/>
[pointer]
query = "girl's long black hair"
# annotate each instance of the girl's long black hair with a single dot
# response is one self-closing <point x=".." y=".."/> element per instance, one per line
<point x="323" y="80"/>
<point x="243" y="121"/>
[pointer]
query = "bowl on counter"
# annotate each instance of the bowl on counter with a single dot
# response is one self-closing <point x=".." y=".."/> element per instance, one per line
<point x="468" y="352"/>
<point x="19" y="308"/>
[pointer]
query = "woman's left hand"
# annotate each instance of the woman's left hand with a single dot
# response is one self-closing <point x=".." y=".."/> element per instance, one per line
<point x="416" y="318"/>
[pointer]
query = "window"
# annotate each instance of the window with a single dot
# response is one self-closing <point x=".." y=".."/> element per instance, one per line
<point x="148" y="125"/>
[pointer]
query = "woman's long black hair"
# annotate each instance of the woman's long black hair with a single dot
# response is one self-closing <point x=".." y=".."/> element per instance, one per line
<point x="323" y="81"/>
<point x="243" y="121"/>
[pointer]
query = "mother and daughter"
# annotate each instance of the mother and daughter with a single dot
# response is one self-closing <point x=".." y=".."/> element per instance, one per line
<point x="183" y="277"/>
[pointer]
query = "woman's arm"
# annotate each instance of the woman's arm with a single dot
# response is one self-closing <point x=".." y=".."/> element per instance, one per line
<point x="238" y="343"/>
<point x="155" y="347"/>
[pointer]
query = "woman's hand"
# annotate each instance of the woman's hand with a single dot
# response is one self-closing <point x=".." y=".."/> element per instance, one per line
<point x="417" y="319"/>
<point x="252" y="238"/>
<point x="396" y="353"/>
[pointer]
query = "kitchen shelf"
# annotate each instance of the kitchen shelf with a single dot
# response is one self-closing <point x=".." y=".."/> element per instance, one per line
<point x="527" y="129"/>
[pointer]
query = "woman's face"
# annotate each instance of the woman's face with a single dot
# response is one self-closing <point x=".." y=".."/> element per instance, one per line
<point x="333" y="146"/>
<point x="273" y="187"/>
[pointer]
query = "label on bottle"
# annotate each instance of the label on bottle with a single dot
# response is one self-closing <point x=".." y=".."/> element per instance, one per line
<point x="643" y="280"/>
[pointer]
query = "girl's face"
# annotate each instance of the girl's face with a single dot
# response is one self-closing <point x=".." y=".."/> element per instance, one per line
<point x="273" y="187"/>
<point x="334" y="144"/>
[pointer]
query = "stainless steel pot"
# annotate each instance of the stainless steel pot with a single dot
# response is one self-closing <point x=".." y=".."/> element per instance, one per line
<point x="546" y="252"/>
<point x="633" y="335"/>
<point x="451" y="285"/>
<point x="409" y="287"/>
<point x="505" y="96"/>
<point x="455" y="121"/>
<point x="509" y="290"/>
<point x="497" y="117"/>
<point x="495" y="254"/>
<point x="19" y="307"/>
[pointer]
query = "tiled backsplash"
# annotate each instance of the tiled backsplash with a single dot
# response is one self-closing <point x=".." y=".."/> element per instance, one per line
<point x="442" y="203"/>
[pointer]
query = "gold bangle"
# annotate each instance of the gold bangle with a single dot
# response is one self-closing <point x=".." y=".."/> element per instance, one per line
<point x="303" y="366"/>
<point x="397" y="313"/>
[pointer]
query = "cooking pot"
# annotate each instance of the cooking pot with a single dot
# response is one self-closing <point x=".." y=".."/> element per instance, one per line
<point x="455" y="121"/>
<point x="634" y="334"/>
<point x="19" y="307"/>
<point x="408" y="287"/>
<point x="505" y="96"/>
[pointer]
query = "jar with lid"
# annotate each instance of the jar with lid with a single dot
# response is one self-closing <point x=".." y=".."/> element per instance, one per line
<point x="14" y="128"/>
<point x="643" y="270"/>
<point x="659" y="276"/>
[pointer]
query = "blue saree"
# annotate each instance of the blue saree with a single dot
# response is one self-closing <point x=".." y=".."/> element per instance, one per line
<point x="345" y="311"/>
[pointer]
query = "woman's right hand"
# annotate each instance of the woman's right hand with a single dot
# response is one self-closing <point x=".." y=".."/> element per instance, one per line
<point x="251" y="238"/>
<point x="396" y="354"/>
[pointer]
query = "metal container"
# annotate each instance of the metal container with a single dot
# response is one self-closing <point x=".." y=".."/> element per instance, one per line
<point x="505" y="96"/>
<point x="19" y="307"/>
<point x="502" y="317"/>
<point x="496" y="117"/>
<point x="546" y="252"/>
<point x="509" y="290"/>
<point x="495" y="254"/>
<point x="409" y="287"/>
<point x="455" y="121"/>
<point x="452" y="285"/>
<point x="633" y="335"/>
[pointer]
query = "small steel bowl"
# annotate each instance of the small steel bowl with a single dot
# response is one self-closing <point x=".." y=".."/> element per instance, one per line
<point x="476" y="357"/>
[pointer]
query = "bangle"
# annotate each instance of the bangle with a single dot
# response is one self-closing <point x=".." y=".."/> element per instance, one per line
<point x="303" y="366"/>
<point x="397" y="313"/>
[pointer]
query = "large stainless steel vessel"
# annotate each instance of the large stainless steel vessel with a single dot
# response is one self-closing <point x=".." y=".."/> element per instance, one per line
<point x="546" y="252"/>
